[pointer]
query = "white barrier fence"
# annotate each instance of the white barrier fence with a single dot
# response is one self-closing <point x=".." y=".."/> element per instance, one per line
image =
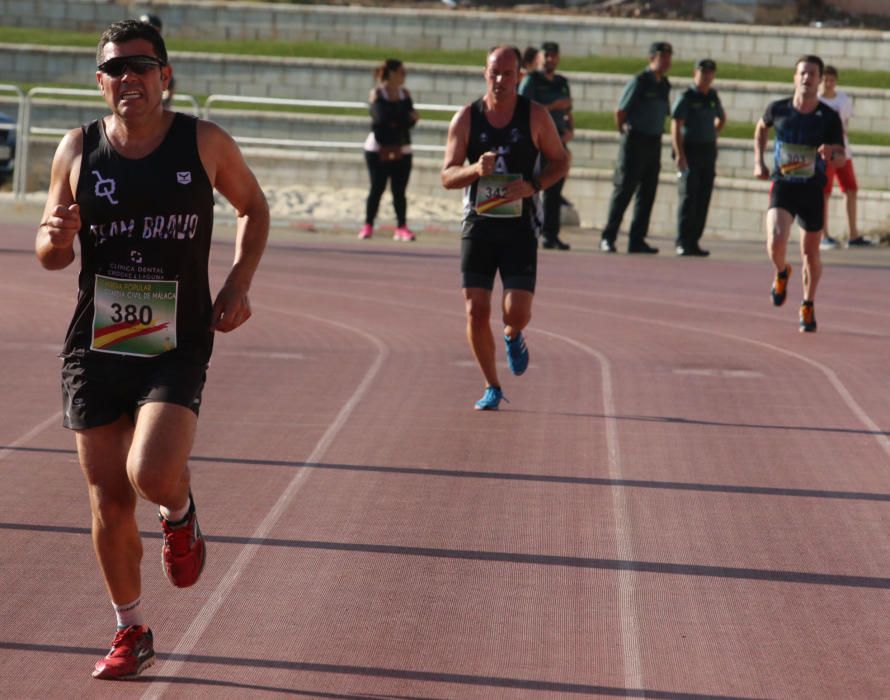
<point x="25" y="129"/>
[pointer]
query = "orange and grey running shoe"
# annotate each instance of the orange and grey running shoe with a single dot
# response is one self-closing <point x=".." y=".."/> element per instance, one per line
<point x="807" y="317"/>
<point x="132" y="651"/>
<point x="780" y="286"/>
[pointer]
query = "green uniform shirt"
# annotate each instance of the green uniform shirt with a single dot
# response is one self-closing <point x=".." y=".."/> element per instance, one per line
<point x="698" y="112"/>
<point x="536" y="87"/>
<point x="646" y="102"/>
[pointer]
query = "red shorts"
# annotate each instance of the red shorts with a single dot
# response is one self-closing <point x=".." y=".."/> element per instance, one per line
<point x="846" y="177"/>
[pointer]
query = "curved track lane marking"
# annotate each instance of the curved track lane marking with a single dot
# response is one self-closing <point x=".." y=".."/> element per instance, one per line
<point x="630" y="634"/>
<point x="627" y="616"/>
<point x="54" y="419"/>
<point x="218" y="596"/>
<point x="857" y="410"/>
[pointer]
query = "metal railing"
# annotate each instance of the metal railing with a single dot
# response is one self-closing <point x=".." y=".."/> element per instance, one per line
<point x="28" y="130"/>
<point x="25" y="129"/>
<point x="311" y="143"/>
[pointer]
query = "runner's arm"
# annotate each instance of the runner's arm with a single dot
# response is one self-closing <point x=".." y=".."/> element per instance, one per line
<point x="61" y="214"/>
<point x="231" y="176"/>
<point x="546" y="138"/>
<point x="834" y="153"/>
<point x="455" y="174"/>
<point x="761" y="133"/>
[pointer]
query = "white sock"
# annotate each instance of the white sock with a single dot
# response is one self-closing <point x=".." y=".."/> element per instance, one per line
<point x="129" y="614"/>
<point x="174" y="516"/>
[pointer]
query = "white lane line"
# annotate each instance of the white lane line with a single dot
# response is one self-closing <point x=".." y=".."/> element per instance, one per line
<point x="627" y="613"/>
<point x="857" y="410"/>
<point x="216" y="599"/>
<point x="54" y="419"/>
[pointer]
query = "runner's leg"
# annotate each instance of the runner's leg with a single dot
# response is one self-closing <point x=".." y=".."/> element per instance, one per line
<point x="517" y="310"/>
<point x="479" y="335"/>
<point x="103" y="458"/>
<point x="158" y="460"/>
<point x="778" y="229"/>
<point x="812" y="263"/>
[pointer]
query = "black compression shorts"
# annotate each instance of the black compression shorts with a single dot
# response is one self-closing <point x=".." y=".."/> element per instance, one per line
<point x="99" y="389"/>
<point x="803" y="200"/>
<point x="510" y="249"/>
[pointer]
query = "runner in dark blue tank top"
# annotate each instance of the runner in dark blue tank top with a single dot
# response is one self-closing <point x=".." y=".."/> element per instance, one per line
<point x="135" y="189"/>
<point x="808" y="134"/>
<point x="502" y="136"/>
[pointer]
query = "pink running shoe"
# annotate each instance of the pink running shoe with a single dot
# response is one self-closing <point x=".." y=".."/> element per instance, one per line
<point x="403" y="233"/>
<point x="132" y="651"/>
<point x="184" y="550"/>
<point x="366" y="232"/>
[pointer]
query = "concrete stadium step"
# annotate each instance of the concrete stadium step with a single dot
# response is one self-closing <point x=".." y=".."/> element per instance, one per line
<point x="461" y="30"/>
<point x="324" y="79"/>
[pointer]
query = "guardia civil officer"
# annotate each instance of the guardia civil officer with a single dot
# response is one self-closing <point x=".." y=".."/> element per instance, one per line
<point x="640" y="116"/>
<point x="697" y="118"/>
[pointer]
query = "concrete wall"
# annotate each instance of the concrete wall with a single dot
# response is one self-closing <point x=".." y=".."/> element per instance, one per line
<point x="460" y="30"/>
<point x="257" y="76"/>
<point x="736" y="213"/>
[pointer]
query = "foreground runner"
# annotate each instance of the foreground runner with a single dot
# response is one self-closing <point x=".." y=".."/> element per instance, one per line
<point x="808" y="134"/>
<point x="136" y="189"/>
<point x="503" y="136"/>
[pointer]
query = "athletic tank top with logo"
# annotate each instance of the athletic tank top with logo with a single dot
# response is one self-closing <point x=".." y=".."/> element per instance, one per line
<point x="145" y="245"/>
<point x="517" y="158"/>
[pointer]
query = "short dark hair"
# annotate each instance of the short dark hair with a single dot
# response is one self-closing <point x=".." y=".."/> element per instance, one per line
<point x="127" y="30"/>
<point x="550" y="47"/>
<point x="390" y="65"/>
<point x="811" y="58"/>
<point x="831" y="70"/>
<point x="529" y="56"/>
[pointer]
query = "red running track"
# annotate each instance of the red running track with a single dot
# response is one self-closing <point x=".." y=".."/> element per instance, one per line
<point x="685" y="498"/>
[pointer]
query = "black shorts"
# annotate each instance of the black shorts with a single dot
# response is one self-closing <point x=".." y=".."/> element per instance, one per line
<point x="803" y="200"/>
<point x="510" y="249"/>
<point x="98" y="389"/>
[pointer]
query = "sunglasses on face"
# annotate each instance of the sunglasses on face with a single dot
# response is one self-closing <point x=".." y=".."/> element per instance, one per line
<point x="116" y="67"/>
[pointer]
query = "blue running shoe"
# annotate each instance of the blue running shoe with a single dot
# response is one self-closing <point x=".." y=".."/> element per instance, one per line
<point x="517" y="354"/>
<point x="491" y="399"/>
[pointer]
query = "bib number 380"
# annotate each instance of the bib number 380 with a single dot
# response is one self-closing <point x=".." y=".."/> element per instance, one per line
<point x="134" y="317"/>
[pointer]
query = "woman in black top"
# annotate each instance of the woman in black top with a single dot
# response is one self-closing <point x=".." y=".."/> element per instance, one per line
<point x="388" y="146"/>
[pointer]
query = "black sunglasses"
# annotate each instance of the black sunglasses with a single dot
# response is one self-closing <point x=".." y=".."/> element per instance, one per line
<point x="116" y="67"/>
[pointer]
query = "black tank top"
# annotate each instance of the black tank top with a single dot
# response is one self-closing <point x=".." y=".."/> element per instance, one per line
<point x="145" y="246"/>
<point x="517" y="154"/>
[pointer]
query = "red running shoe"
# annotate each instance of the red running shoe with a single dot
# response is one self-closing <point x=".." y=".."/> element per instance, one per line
<point x="132" y="651"/>
<point x="184" y="550"/>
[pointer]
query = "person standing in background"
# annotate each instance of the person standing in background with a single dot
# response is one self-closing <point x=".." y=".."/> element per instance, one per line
<point x="640" y="116"/>
<point x="388" y="146"/>
<point x="167" y="94"/>
<point x="841" y="103"/>
<point x="697" y="118"/>
<point x="550" y="89"/>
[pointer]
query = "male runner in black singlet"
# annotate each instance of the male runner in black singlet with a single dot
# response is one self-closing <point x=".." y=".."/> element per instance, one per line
<point x="809" y="134"/>
<point x="503" y="136"/>
<point x="135" y="188"/>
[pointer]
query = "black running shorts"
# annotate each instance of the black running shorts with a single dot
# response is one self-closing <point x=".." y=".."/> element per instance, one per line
<point x="803" y="200"/>
<point x="510" y="249"/>
<point x="98" y="389"/>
